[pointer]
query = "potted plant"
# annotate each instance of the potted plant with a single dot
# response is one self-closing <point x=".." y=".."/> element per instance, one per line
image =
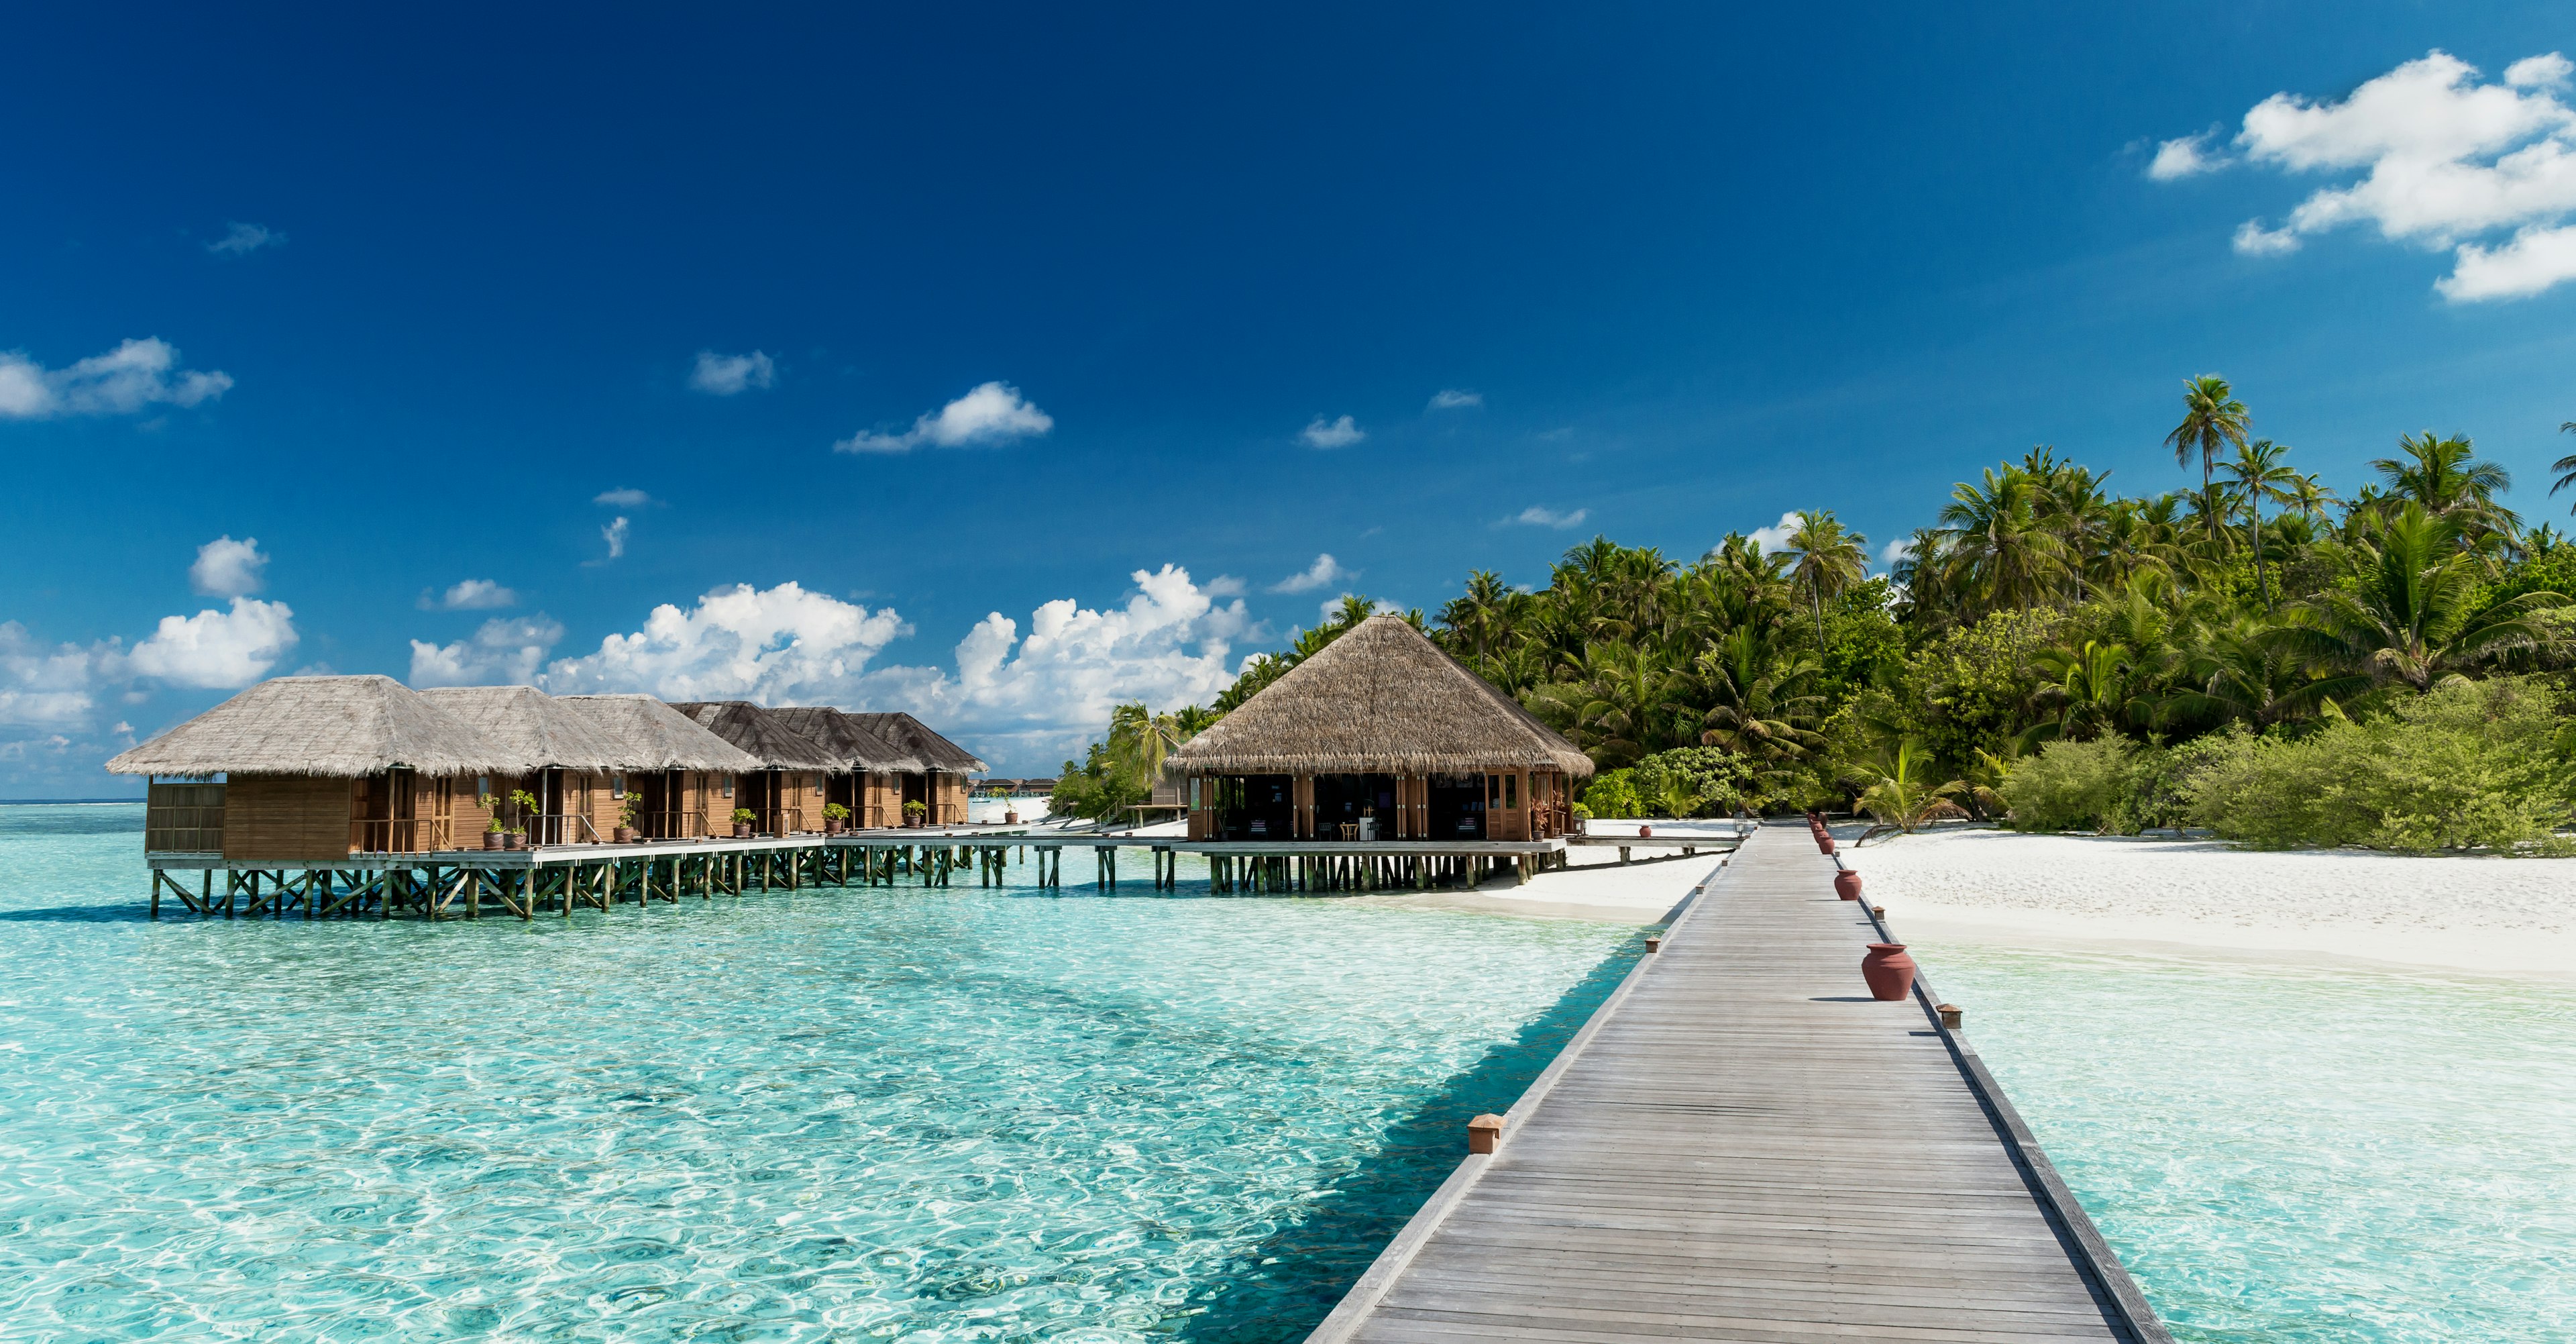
<point x="1010" y="812"/>
<point x="526" y="804"/>
<point x="836" y="818"/>
<point x="915" y="813"/>
<point x="743" y="817"/>
<point x="626" y="833"/>
<point x="496" y="833"/>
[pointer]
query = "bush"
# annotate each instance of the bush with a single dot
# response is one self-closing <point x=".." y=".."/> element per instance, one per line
<point x="2469" y="765"/>
<point x="1690" y="782"/>
<point x="1613" y="793"/>
<point x="2076" y="786"/>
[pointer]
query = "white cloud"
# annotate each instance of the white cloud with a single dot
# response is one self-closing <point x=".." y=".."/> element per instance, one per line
<point x="227" y="568"/>
<point x="1223" y="585"/>
<point x="2184" y="157"/>
<point x="1325" y="570"/>
<point x="471" y="595"/>
<point x="2444" y="162"/>
<point x="725" y="375"/>
<point x="615" y="535"/>
<point x="2535" y="260"/>
<point x="1340" y="433"/>
<point x="134" y="375"/>
<point x="240" y="239"/>
<point x="992" y="413"/>
<point x="2253" y="240"/>
<point x="221" y="649"/>
<point x="1540" y="516"/>
<point x="506" y="651"/>
<point x="1451" y="399"/>
<point x="47" y="685"/>
<point x="1776" y="537"/>
<point x="1895" y="550"/>
<point x="775" y="645"/>
<point x="623" y="497"/>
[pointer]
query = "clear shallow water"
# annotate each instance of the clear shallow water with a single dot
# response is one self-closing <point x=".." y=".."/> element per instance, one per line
<point x="862" y="1114"/>
<point x="2294" y="1155"/>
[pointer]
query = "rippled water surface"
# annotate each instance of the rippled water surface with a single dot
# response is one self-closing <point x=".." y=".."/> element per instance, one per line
<point x="2294" y="1155"/>
<point x="861" y="1114"/>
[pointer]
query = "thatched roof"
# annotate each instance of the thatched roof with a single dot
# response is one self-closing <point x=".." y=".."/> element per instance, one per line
<point x="858" y="748"/>
<point x="757" y="731"/>
<point x="334" y="726"/>
<point x="529" y="728"/>
<point x="653" y="736"/>
<point x="1379" y="700"/>
<point x="913" y="738"/>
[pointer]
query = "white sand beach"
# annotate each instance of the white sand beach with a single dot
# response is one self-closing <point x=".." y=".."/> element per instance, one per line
<point x="2488" y="916"/>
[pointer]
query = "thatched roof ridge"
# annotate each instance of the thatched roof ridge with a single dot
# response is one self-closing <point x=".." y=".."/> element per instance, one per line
<point x="758" y="731"/>
<point x="914" y="739"/>
<point x="1381" y="699"/>
<point x="653" y="736"/>
<point x="532" y="729"/>
<point x="858" y="748"/>
<point x="339" y="727"/>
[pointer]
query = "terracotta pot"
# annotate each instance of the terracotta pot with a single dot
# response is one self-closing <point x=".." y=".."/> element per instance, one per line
<point x="514" y="840"/>
<point x="1645" y="832"/>
<point x="831" y="827"/>
<point x="1888" y="970"/>
<point x="1825" y="844"/>
<point x="1011" y="818"/>
<point x="1847" y="884"/>
<point x="495" y="839"/>
<point x="742" y="830"/>
<point x="624" y="835"/>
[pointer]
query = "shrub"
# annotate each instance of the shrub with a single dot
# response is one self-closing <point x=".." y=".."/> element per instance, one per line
<point x="2075" y="786"/>
<point x="2469" y="765"/>
<point x="1613" y="793"/>
<point x="1691" y="781"/>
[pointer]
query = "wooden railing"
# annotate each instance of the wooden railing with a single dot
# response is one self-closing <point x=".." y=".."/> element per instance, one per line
<point x="672" y="825"/>
<point x="411" y="835"/>
<point x="562" y="828"/>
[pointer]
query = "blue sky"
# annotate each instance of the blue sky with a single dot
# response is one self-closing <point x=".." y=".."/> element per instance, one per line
<point x="959" y="322"/>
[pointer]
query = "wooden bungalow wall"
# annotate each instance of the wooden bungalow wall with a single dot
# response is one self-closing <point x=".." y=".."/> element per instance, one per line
<point x="287" y="817"/>
<point x="1539" y="801"/>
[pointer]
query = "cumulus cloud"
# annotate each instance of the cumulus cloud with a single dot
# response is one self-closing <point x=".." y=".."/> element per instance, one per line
<point x="2185" y="157"/>
<point x="48" y="685"/>
<point x="1223" y="585"/>
<point x="1539" y="516"/>
<point x="1340" y="433"/>
<point x="227" y="568"/>
<point x="623" y="497"/>
<point x="1325" y="570"/>
<point x="241" y="239"/>
<point x="122" y="381"/>
<point x="470" y="595"/>
<point x="1895" y="550"/>
<point x="992" y="413"/>
<point x="2443" y="160"/>
<point x="217" y="649"/>
<point x="505" y="651"/>
<point x="1776" y="537"/>
<point x="1452" y="399"/>
<point x="775" y="645"/>
<point x="726" y="375"/>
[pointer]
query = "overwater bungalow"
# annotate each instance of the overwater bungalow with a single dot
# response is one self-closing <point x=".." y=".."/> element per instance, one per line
<point x="1378" y="736"/>
<point x="313" y="769"/>
<point x="870" y="780"/>
<point x="938" y="771"/>
<point x="569" y="768"/>
<point x="784" y="789"/>
<point x="678" y="775"/>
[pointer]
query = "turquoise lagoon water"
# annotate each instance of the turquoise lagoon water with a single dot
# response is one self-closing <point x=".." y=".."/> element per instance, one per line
<point x="2293" y="1155"/>
<point x="861" y="1114"/>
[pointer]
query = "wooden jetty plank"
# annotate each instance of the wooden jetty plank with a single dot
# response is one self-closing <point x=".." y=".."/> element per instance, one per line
<point x="1743" y="1145"/>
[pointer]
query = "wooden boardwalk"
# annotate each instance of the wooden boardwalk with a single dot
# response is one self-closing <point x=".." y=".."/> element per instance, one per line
<point x="1742" y="1145"/>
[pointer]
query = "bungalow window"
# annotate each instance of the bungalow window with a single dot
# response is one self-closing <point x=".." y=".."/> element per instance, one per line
<point x="617" y="787"/>
<point x="727" y="786"/>
<point x="1511" y="792"/>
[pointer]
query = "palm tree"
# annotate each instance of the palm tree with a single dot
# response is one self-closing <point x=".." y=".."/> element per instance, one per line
<point x="2410" y="616"/>
<point x="1995" y="543"/>
<point x="2449" y="480"/>
<point x="1900" y="790"/>
<point x="1828" y="561"/>
<point x="2257" y="477"/>
<point x="2091" y="691"/>
<point x="1763" y="709"/>
<point x="2212" y="418"/>
<point x="1478" y="618"/>
<point x="2565" y="466"/>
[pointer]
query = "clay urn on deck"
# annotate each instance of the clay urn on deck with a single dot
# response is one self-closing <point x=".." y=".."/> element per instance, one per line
<point x="1824" y="844"/>
<point x="1847" y="884"/>
<point x="1888" y="970"/>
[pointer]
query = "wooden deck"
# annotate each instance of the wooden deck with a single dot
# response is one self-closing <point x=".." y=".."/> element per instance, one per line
<point x="1742" y="1145"/>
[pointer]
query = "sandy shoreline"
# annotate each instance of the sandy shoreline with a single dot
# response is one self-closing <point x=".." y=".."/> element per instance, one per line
<point x="2483" y="916"/>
